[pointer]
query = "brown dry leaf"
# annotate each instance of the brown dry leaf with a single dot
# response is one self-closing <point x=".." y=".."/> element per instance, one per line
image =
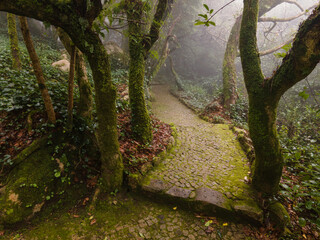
<point x="1" y="233"/>
<point x="76" y="216"/>
<point x="93" y="221"/>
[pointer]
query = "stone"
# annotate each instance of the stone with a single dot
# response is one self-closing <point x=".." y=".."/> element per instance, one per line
<point x="279" y="215"/>
<point x="179" y="192"/>
<point x="250" y="209"/>
<point x="212" y="197"/>
<point x="155" y="186"/>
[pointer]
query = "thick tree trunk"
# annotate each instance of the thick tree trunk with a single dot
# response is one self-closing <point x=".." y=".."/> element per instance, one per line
<point x="37" y="70"/>
<point x="85" y="90"/>
<point x="267" y="168"/>
<point x="13" y="37"/>
<point x="229" y="69"/>
<point x="105" y="98"/>
<point x="71" y="86"/>
<point x="140" y="119"/>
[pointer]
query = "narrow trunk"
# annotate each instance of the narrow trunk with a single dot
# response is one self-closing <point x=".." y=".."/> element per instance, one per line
<point x="229" y="68"/>
<point x="175" y="75"/>
<point x="140" y="119"/>
<point x="107" y="135"/>
<point x="267" y="168"/>
<point x="85" y="90"/>
<point x="37" y="70"/>
<point x="71" y="87"/>
<point x="13" y="37"/>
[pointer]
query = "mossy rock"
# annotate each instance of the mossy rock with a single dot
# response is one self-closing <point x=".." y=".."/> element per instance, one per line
<point x="28" y="186"/>
<point x="279" y="215"/>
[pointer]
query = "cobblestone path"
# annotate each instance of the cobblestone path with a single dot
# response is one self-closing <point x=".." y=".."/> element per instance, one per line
<point x="208" y="165"/>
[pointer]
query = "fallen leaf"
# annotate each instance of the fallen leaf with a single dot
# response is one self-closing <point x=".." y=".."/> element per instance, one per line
<point x="1" y="233"/>
<point x="93" y="221"/>
<point x="175" y="208"/>
<point x="207" y="224"/>
<point x="76" y="216"/>
<point x="225" y="224"/>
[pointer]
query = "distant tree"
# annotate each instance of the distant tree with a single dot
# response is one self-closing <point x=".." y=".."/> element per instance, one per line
<point x="265" y="93"/>
<point x="37" y="70"/>
<point x="13" y="37"/>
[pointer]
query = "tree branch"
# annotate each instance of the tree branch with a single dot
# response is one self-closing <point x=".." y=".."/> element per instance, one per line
<point x="272" y="50"/>
<point x="302" y="58"/>
<point x="154" y="32"/>
<point x="270" y="19"/>
<point x="248" y="45"/>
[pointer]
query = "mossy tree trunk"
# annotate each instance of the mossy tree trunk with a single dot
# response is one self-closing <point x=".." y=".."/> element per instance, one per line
<point x="229" y="68"/>
<point x="85" y="90"/>
<point x="140" y="119"/>
<point x="264" y="94"/>
<point x="139" y="47"/>
<point x="37" y="70"/>
<point x="13" y="37"/>
<point x="76" y="19"/>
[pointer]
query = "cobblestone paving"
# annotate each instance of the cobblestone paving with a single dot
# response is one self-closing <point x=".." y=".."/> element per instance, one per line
<point x="207" y="155"/>
<point x="133" y="218"/>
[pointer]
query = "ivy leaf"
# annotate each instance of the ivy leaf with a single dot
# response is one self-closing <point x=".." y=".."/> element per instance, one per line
<point x="302" y="222"/>
<point x="304" y="95"/>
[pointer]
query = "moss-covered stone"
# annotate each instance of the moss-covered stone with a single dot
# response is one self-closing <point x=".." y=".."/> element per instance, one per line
<point x="29" y="185"/>
<point x="278" y="215"/>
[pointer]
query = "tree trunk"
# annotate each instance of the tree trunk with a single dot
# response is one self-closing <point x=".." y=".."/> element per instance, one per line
<point x="71" y="87"/>
<point x="105" y="98"/>
<point x="140" y="119"/>
<point x="13" y="37"/>
<point x="267" y="168"/>
<point x="85" y="90"/>
<point x="229" y="68"/>
<point x="37" y="70"/>
<point x="175" y="75"/>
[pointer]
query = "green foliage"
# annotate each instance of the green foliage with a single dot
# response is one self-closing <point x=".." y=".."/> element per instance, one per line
<point x="205" y="18"/>
<point x="286" y="49"/>
<point x="239" y="112"/>
<point x="19" y="89"/>
<point x="300" y="138"/>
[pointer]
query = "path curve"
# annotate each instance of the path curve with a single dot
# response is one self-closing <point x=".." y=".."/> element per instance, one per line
<point x="207" y="167"/>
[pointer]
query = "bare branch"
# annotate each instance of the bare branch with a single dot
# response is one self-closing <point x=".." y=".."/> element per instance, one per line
<point x="295" y="3"/>
<point x="270" y="19"/>
<point x="272" y="50"/>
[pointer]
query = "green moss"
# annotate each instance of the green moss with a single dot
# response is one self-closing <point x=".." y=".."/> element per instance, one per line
<point x="279" y="215"/>
<point x="28" y="186"/>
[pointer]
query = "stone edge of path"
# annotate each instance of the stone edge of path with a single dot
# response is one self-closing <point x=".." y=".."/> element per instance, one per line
<point x="203" y="200"/>
<point x="136" y="179"/>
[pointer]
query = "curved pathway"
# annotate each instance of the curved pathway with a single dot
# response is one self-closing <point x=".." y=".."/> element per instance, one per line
<point x="208" y="168"/>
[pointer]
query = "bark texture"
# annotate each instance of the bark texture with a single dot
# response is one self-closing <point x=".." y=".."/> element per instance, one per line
<point x="37" y="70"/>
<point x="13" y="37"/>
<point x="264" y="94"/>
